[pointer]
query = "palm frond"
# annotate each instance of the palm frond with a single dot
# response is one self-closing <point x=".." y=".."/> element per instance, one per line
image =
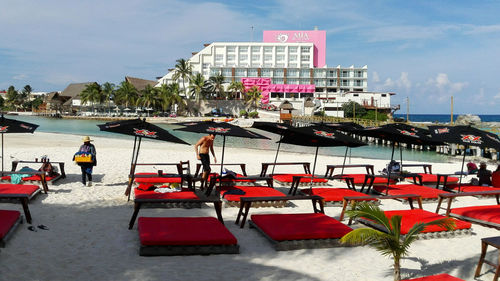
<point x="362" y="236"/>
<point x="370" y="211"/>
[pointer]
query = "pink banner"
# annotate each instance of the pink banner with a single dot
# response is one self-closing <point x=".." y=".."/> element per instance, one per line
<point x="264" y="85"/>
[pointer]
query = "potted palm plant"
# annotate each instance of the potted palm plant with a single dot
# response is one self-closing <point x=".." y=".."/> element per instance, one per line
<point x="389" y="242"/>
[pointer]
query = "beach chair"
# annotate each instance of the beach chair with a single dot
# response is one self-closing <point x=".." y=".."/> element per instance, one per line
<point x="331" y="196"/>
<point x="466" y="187"/>
<point x="295" y="231"/>
<point x="9" y="220"/>
<point x="487" y="215"/>
<point x="427" y="194"/>
<point x="231" y="195"/>
<point x="22" y="193"/>
<point x="428" y="178"/>
<point x="438" y="277"/>
<point x="50" y="177"/>
<point x="287" y="178"/>
<point x="410" y="217"/>
<point x="359" y="179"/>
<point x="167" y="236"/>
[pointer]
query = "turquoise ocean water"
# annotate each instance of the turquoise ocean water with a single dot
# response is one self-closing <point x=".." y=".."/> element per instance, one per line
<point x="89" y="127"/>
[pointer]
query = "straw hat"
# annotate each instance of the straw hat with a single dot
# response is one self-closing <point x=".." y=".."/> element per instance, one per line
<point x="87" y="139"/>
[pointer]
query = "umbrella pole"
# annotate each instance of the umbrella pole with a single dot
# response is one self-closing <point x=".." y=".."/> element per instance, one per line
<point x="389" y="170"/>
<point x="222" y="161"/>
<point x="461" y="171"/>
<point x="314" y="168"/>
<point x="401" y="156"/>
<point x="277" y="151"/>
<point x="343" y="164"/>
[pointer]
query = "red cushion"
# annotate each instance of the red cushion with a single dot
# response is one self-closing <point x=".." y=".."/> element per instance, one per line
<point x="432" y="178"/>
<point x="253" y="191"/>
<point x="401" y="189"/>
<point x="360" y="179"/>
<point x="439" y="277"/>
<point x="7" y="220"/>
<point x="184" y="231"/>
<point x="489" y="213"/>
<point x="153" y="179"/>
<point x="470" y="188"/>
<point x="281" y="227"/>
<point x="333" y="194"/>
<point x="289" y="178"/>
<point x="410" y="217"/>
<point x="38" y="178"/>
<point x="23" y="189"/>
<point x="184" y="194"/>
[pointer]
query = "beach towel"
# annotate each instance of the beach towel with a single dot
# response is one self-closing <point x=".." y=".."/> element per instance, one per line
<point x="17" y="178"/>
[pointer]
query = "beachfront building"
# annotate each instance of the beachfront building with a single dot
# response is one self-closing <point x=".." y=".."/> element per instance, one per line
<point x="287" y="65"/>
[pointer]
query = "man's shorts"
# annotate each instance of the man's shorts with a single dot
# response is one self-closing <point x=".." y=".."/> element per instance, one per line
<point x="205" y="161"/>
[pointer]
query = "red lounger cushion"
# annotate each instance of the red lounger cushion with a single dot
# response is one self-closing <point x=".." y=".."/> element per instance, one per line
<point x="333" y="194"/>
<point x="401" y="189"/>
<point x="360" y="179"/>
<point x="470" y="188"/>
<point x="439" y="277"/>
<point x="151" y="194"/>
<point x="32" y="178"/>
<point x="432" y="178"/>
<point x="289" y="178"/>
<point x="230" y="179"/>
<point x="281" y="227"/>
<point x="153" y="179"/>
<point x="183" y="231"/>
<point x="253" y="191"/>
<point x="8" y="219"/>
<point x="22" y="189"/>
<point x="410" y="217"/>
<point x="484" y="213"/>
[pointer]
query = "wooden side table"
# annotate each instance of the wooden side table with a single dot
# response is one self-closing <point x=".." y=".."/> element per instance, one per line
<point x="494" y="242"/>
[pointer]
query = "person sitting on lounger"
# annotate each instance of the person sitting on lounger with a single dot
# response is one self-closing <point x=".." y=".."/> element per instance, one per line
<point x="202" y="147"/>
<point x="484" y="174"/>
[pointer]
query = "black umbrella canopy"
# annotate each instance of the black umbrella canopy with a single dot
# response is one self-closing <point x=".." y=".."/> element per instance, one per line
<point x="465" y="135"/>
<point x="345" y="126"/>
<point x="397" y="132"/>
<point x="140" y="128"/>
<point x="319" y="136"/>
<point x="15" y="126"/>
<point x="272" y="127"/>
<point x="220" y="128"/>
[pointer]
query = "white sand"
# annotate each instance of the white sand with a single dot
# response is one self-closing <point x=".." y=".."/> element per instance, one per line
<point x="89" y="240"/>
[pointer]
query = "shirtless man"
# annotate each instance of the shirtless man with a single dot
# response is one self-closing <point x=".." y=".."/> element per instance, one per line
<point x="201" y="148"/>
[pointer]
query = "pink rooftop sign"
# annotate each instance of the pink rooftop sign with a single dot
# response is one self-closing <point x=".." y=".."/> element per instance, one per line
<point x="317" y="37"/>
<point x="266" y="87"/>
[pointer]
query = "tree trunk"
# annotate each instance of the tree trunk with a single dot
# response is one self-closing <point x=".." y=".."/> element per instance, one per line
<point x="397" y="270"/>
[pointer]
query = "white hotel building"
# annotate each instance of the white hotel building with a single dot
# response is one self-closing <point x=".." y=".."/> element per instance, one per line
<point x="288" y="65"/>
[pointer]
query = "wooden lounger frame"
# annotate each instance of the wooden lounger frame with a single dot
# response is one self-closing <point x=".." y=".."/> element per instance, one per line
<point x="43" y="178"/>
<point x="62" y="173"/>
<point x="450" y="198"/>
<point x="11" y="231"/>
<point x="23" y="199"/>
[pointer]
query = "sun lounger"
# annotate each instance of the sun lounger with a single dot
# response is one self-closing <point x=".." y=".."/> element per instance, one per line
<point x="296" y="231"/>
<point x="331" y="196"/>
<point x="185" y="236"/>
<point x="359" y="179"/>
<point x="9" y="220"/>
<point x="465" y="187"/>
<point x="488" y="215"/>
<point x="428" y="177"/>
<point x="19" y="192"/>
<point x="232" y="195"/>
<point x="428" y="194"/>
<point x="61" y="174"/>
<point x="438" y="277"/>
<point x="287" y="178"/>
<point x="412" y="216"/>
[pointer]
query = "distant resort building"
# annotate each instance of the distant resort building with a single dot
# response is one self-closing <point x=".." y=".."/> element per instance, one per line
<point x="287" y="65"/>
<point x="140" y="84"/>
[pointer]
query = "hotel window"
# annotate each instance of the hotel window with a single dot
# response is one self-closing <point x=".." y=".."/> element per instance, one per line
<point x="355" y="95"/>
<point x="243" y="57"/>
<point x="305" y="65"/>
<point x="292" y="57"/>
<point x="243" y="49"/>
<point x="268" y="49"/>
<point x="332" y="73"/>
<point x="320" y="73"/>
<point x="267" y="64"/>
<point x="280" y="57"/>
<point x="359" y="74"/>
<point x="219" y="57"/>
<point x="265" y="72"/>
<point x="293" y="49"/>
<point x="280" y="65"/>
<point x="280" y="49"/>
<point x="292" y="81"/>
<point x="278" y="81"/>
<point x="345" y="82"/>
<point x="231" y="49"/>
<point x="305" y="81"/>
<point x="252" y="72"/>
<point x="292" y="73"/>
<point x="268" y="57"/>
<point x="293" y="65"/>
<point x="227" y="72"/>
<point x="305" y="73"/>
<point x="255" y="49"/>
<point x="214" y="71"/>
<point x="345" y="73"/>
<point x="304" y="57"/>
<point x="358" y="83"/>
<point x="240" y="72"/>
<point x="278" y="73"/>
<point x="384" y="95"/>
<point x="332" y="82"/>
<point x="305" y="49"/>
<point x="319" y="82"/>
<point x="255" y="57"/>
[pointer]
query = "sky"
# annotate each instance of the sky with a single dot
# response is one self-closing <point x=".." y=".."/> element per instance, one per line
<point x="425" y="51"/>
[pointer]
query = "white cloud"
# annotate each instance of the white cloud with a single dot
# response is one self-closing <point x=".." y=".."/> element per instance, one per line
<point x="375" y="77"/>
<point x="444" y="85"/>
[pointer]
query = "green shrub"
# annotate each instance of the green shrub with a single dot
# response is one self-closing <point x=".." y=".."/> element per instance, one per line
<point x="370" y="114"/>
<point x="243" y="113"/>
<point x="253" y="114"/>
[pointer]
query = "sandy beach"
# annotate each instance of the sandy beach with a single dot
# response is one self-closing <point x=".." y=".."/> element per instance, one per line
<point x="88" y="238"/>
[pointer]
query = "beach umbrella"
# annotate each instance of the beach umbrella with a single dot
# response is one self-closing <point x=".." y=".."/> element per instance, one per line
<point x="466" y="136"/>
<point x="318" y="136"/>
<point x="401" y="133"/>
<point x="139" y="129"/>
<point x="276" y="128"/>
<point x="10" y="126"/>
<point x="219" y="128"/>
<point x="348" y="127"/>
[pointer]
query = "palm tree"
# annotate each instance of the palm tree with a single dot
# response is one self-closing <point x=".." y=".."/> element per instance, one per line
<point x="91" y="93"/>
<point x="12" y="97"/>
<point x="108" y="92"/>
<point x="169" y="95"/>
<point x="390" y="242"/>
<point x="236" y="87"/>
<point x="182" y="70"/>
<point x="217" y="82"/>
<point x="253" y="96"/>
<point x="198" y="86"/>
<point x="149" y="97"/>
<point x="126" y="93"/>
<point x="24" y="95"/>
